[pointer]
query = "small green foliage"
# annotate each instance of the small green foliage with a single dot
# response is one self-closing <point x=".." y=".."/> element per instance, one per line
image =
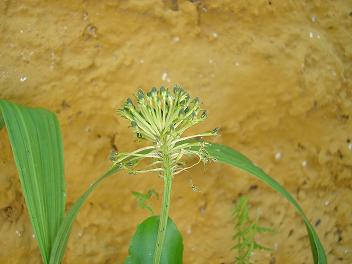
<point x="143" y="198"/>
<point x="245" y="232"/>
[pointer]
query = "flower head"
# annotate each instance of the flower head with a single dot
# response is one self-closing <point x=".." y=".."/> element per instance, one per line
<point x="161" y="116"/>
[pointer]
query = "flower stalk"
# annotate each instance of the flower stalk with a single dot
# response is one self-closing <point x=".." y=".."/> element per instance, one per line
<point x="161" y="117"/>
<point x="164" y="214"/>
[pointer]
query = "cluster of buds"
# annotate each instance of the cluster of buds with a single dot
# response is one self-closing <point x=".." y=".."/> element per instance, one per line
<point x="161" y="116"/>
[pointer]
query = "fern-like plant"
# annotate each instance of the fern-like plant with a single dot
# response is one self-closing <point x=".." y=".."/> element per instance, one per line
<point x="246" y="231"/>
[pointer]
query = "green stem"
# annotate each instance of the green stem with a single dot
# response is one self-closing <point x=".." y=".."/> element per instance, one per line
<point x="164" y="215"/>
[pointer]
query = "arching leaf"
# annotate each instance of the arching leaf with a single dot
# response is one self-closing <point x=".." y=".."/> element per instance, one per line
<point x="232" y="157"/>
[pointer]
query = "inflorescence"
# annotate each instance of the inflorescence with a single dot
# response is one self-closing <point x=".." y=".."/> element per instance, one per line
<point x="161" y="116"/>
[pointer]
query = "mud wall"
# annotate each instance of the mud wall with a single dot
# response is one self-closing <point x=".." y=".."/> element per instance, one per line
<point x="275" y="76"/>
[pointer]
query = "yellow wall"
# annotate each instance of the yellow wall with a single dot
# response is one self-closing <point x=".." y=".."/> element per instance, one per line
<point x="274" y="75"/>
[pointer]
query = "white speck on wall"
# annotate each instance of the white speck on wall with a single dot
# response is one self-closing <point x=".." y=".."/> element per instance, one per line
<point x="175" y="39"/>
<point x="327" y="202"/>
<point x="85" y="16"/>
<point x="278" y="155"/>
<point x="80" y="234"/>
<point x="23" y="78"/>
<point x="18" y="233"/>
<point x="350" y="146"/>
<point x="276" y="246"/>
<point x="237" y="63"/>
<point x="168" y="80"/>
<point x="141" y="61"/>
<point x="314" y="19"/>
<point x="210" y="61"/>
<point x="189" y="230"/>
<point x="311" y="35"/>
<point x="304" y="163"/>
<point x="164" y="76"/>
<point x="215" y="35"/>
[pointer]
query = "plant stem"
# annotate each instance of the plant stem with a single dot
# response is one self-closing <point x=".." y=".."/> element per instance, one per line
<point x="164" y="215"/>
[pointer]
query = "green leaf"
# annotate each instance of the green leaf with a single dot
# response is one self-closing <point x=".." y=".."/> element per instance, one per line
<point x="65" y="228"/>
<point x="142" y="198"/>
<point x="142" y="246"/>
<point x="35" y="139"/>
<point x="232" y="157"/>
<point x="36" y="143"/>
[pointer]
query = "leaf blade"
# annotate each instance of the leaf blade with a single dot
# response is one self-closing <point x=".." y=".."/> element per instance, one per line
<point x="35" y="139"/>
<point x="232" y="157"/>
<point x="142" y="246"/>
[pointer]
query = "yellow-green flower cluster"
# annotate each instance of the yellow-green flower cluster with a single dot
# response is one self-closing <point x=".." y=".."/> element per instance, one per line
<point x="161" y="115"/>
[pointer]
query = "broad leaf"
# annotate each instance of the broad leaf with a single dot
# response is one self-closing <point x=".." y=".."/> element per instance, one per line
<point x="35" y="139"/>
<point x="142" y="246"/>
<point x="232" y="157"/>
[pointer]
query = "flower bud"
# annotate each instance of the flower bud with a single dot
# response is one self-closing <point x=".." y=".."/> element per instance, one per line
<point x="133" y="124"/>
<point x="140" y="95"/>
<point x="163" y="91"/>
<point x="129" y="102"/>
<point x="204" y="114"/>
<point x="154" y="92"/>
<point x="215" y="131"/>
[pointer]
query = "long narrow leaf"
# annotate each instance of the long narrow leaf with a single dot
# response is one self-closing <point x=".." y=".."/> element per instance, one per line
<point x="35" y="139"/>
<point x="142" y="246"/>
<point x="232" y="157"/>
<point x="60" y="243"/>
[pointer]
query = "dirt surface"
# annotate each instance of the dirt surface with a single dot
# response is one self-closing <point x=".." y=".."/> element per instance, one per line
<point x="274" y="75"/>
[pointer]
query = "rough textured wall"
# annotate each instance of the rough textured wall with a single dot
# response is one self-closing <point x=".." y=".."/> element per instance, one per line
<point x="274" y="75"/>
